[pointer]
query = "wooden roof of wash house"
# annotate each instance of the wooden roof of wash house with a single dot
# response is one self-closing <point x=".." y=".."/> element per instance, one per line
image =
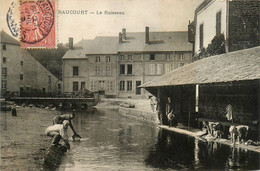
<point x="234" y="66"/>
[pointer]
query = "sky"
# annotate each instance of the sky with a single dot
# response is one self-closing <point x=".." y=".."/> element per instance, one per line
<point x="158" y="15"/>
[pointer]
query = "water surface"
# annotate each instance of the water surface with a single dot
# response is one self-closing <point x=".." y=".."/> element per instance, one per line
<point x="114" y="142"/>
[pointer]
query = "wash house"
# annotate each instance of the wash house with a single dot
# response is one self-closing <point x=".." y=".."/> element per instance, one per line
<point x="202" y="90"/>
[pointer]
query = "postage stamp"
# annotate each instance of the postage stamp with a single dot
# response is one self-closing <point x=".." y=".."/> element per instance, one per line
<point x="38" y="28"/>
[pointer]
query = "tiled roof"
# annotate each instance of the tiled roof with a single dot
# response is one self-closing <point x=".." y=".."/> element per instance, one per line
<point x="135" y="42"/>
<point x="235" y="66"/>
<point x="6" y="38"/>
<point x="99" y="45"/>
<point x="159" y="41"/>
<point x="75" y="54"/>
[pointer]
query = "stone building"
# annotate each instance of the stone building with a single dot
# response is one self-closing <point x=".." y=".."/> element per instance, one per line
<point x="237" y="20"/>
<point x="116" y="66"/>
<point x="91" y="64"/>
<point x="20" y="72"/>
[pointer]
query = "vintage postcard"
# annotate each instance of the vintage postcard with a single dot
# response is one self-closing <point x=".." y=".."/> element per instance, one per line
<point x="129" y="85"/>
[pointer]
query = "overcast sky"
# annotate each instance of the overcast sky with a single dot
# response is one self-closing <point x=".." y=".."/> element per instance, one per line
<point x="159" y="15"/>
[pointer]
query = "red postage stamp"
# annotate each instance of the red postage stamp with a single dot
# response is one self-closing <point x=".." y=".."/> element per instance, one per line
<point x="38" y="28"/>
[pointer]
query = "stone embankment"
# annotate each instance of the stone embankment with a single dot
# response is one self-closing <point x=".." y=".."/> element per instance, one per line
<point x="140" y="109"/>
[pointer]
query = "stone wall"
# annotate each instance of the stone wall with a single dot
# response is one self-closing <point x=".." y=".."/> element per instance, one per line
<point x="139" y="114"/>
<point x="244" y="24"/>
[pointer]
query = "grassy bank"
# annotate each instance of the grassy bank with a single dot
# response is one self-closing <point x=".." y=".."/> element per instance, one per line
<point x="23" y="142"/>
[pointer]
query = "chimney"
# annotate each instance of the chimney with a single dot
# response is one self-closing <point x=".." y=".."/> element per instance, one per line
<point x="70" y="43"/>
<point x="147" y="35"/>
<point x="120" y="37"/>
<point x="124" y="33"/>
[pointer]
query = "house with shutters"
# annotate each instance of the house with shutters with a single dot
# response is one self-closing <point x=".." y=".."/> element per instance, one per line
<point x="116" y="65"/>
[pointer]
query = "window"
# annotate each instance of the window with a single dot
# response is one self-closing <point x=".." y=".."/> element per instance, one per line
<point x="21" y="89"/>
<point x="107" y="59"/>
<point x="152" y="57"/>
<point x="138" y="90"/>
<point x="21" y="63"/>
<point x="4" y="71"/>
<point x="130" y="57"/>
<point x="21" y="76"/>
<point x="129" y="69"/>
<point x="152" y="69"/>
<point x="4" y="60"/>
<point x="168" y="68"/>
<point x="98" y="70"/>
<point x="181" y="64"/>
<point x="59" y="86"/>
<point x="122" y="57"/>
<point x="168" y="57"/>
<point x="181" y="56"/>
<point x="49" y="79"/>
<point x="122" y="69"/>
<point x="82" y="86"/>
<point x="122" y="85"/>
<point x="4" y="84"/>
<point x="201" y="36"/>
<point x="75" y="71"/>
<point x="28" y="88"/>
<point x="75" y="86"/>
<point x="97" y="58"/>
<point x="110" y="85"/>
<point x="129" y="85"/>
<point x="108" y="70"/>
<point x="92" y="85"/>
<point x="4" y="47"/>
<point x="218" y="23"/>
<point x="101" y="85"/>
<point x="43" y="89"/>
<point x="159" y="69"/>
<point x="49" y="88"/>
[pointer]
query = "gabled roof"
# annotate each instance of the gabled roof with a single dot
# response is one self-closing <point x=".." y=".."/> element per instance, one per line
<point x="235" y="66"/>
<point x="6" y="38"/>
<point x="202" y="5"/>
<point x="159" y="41"/>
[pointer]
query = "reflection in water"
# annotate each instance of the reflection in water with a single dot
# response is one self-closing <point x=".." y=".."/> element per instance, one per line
<point x="177" y="151"/>
<point x="115" y="142"/>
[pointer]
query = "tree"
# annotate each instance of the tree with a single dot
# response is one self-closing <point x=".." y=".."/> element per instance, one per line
<point x="216" y="47"/>
<point x="51" y="58"/>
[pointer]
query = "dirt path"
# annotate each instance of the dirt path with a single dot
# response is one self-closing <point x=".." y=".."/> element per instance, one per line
<point x="23" y="142"/>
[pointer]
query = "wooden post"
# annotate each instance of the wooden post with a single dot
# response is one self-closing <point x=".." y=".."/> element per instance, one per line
<point x="197" y="98"/>
<point x="189" y="117"/>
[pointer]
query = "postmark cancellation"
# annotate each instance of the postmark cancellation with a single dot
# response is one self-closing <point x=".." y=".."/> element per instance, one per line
<point x="38" y="23"/>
